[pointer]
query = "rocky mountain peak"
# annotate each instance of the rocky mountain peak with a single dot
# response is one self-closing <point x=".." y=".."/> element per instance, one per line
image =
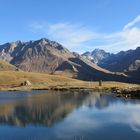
<point x="96" y="55"/>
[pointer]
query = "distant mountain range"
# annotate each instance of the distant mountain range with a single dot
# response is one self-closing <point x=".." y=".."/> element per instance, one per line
<point x="127" y="62"/>
<point x="97" y="55"/>
<point x="45" y="56"/>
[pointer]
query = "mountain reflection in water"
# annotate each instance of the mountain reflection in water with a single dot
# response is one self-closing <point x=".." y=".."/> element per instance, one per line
<point x="75" y="114"/>
<point x="38" y="109"/>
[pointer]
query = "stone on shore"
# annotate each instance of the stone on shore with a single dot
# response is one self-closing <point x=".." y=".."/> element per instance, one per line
<point x="26" y="83"/>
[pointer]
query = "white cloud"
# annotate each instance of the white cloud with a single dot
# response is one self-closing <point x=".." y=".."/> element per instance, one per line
<point x="81" y="38"/>
<point x="123" y="40"/>
<point x="127" y="38"/>
<point x="132" y="23"/>
<point x="72" y="36"/>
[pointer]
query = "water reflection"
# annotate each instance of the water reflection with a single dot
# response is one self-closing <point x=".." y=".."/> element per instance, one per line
<point x="38" y="109"/>
<point x="68" y="115"/>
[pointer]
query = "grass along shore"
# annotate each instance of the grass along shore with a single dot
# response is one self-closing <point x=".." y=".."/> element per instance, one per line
<point x="12" y="81"/>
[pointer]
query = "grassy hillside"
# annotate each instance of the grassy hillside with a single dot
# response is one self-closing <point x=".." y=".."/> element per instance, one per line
<point x="5" y="66"/>
<point x="13" y="80"/>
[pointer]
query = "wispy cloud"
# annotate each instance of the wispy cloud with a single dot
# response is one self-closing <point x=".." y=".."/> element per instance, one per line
<point x="73" y="36"/>
<point x="80" y="38"/>
<point x="132" y="23"/>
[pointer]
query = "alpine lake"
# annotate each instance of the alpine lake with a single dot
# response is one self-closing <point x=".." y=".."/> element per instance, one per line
<point x="79" y="115"/>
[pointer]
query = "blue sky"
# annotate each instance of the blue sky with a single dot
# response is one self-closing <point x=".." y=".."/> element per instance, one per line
<point x="80" y="25"/>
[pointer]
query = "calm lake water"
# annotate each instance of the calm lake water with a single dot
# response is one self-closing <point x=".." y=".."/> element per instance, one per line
<point x="48" y="115"/>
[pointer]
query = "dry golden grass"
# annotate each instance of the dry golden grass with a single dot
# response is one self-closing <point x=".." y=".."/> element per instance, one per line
<point x="11" y="80"/>
<point x="5" y="66"/>
<point x="15" y="78"/>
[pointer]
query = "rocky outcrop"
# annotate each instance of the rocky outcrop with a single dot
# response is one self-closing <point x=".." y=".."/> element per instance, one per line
<point x="26" y="83"/>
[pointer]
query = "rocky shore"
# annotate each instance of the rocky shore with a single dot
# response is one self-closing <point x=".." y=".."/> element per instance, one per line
<point x="127" y="92"/>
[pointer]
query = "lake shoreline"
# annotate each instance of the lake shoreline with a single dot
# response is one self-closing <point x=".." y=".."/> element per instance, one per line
<point x="125" y="92"/>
